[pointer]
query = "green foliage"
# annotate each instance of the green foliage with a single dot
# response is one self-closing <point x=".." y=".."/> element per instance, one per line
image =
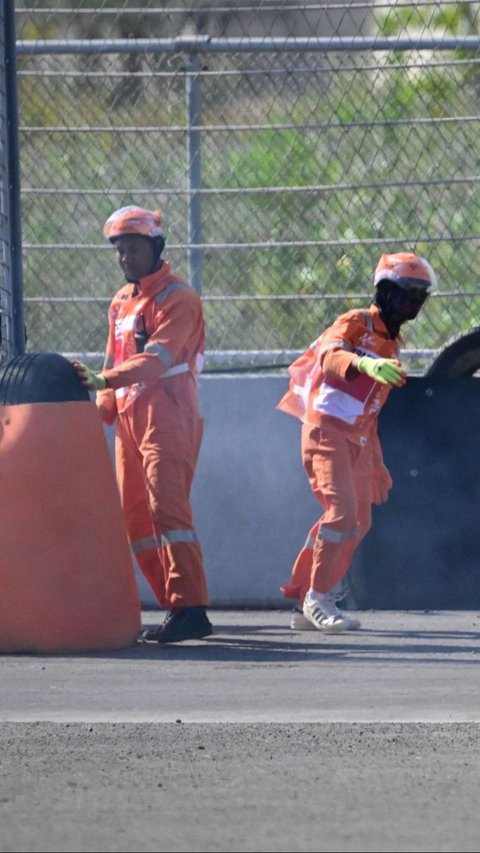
<point x="358" y="165"/>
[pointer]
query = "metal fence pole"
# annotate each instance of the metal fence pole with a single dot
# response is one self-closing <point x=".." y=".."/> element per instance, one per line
<point x="194" y="173"/>
<point x="15" y="277"/>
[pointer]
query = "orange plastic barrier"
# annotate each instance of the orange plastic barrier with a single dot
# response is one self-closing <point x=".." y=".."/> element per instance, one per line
<point x="67" y="582"/>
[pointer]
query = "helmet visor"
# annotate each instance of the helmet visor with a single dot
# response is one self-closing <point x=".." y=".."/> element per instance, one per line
<point x="416" y="287"/>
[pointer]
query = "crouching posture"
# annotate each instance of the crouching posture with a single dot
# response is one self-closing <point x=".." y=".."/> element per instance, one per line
<point x="337" y="389"/>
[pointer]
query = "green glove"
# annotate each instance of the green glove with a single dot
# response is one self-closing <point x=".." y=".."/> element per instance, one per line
<point x="92" y="381"/>
<point x="388" y="371"/>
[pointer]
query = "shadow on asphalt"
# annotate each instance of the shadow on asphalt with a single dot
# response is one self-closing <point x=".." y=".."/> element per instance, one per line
<point x="244" y="645"/>
<point x="267" y="643"/>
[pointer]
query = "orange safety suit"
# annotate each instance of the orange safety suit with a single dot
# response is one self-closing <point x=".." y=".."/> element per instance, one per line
<point x="152" y="395"/>
<point x="341" y="452"/>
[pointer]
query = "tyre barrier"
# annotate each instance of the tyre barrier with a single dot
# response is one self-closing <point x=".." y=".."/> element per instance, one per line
<point x="459" y="358"/>
<point x="423" y="551"/>
<point x="40" y="377"/>
<point x="66" y="573"/>
<point x="424" y="547"/>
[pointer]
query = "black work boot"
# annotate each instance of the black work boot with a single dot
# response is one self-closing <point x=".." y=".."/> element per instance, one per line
<point x="182" y="623"/>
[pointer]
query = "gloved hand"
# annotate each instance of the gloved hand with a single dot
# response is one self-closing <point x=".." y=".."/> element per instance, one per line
<point x="381" y="485"/>
<point x="91" y="380"/>
<point x="388" y="371"/>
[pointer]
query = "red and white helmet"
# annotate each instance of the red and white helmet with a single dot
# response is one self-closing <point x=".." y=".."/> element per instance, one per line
<point x="406" y="270"/>
<point x="133" y="220"/>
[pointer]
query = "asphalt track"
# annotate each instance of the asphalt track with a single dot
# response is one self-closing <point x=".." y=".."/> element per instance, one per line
<point x="257" y="738"/>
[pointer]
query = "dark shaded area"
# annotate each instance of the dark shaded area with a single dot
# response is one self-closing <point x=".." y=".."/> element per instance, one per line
<point x="423" y="551"/>
<point x="459" y="358"/>
<point x="41" y="377"/>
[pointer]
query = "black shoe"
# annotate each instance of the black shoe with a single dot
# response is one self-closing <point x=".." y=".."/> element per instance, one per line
<point x="152" y="633"/>
<point x="183" y="623"/>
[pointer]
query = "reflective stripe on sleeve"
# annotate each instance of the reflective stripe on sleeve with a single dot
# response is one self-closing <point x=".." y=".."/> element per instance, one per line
<point x="177" y="285"/>
<point x="161" y="352"/>
<point x="337" y="345"/>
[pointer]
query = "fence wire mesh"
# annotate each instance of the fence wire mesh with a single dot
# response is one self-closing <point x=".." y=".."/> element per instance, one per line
<point x="288" y="145"/>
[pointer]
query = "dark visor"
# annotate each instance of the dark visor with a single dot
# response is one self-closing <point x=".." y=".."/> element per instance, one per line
<point x="416" y="286"/>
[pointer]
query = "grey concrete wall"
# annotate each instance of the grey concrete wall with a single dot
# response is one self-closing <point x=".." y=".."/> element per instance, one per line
<point x="253" y="506"/>
<point x="252" y="500"/>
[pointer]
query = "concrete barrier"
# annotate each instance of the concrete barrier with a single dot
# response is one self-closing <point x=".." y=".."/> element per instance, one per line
<point x="253" y="507"/>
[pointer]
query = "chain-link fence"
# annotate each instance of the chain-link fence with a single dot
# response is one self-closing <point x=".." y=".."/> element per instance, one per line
<point x="288" y="144"/>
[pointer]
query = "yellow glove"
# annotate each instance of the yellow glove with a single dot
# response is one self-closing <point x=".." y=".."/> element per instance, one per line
<point x="388" y="371"/>
<point x="91" y="380"/>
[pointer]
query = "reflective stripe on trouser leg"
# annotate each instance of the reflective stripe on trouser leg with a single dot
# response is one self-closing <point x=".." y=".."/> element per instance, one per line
<point x="138" y="520"/>
<point x="169" y="475"/>
<point x="155" y="482"/>
<point x="185" y="577"/>
<point x="159" y="559"/>
<point x="338" y="475"/>
<point x="300" y="579"/>
<point x="302" y="569"/>
<point x="340" y="556"/>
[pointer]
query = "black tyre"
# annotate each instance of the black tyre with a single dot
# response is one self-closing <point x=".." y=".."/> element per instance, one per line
<point x="41" y="377"/>
<point x="422" y="551"/>
<point x="460" y="358"/>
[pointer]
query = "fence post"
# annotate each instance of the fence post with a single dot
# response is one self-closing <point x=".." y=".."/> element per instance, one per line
<point x="14" y="274"/>
<point x="194" y="173"/>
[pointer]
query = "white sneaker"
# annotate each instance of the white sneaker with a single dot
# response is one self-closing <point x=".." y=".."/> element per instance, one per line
<point x="320" y="609"/>
<point x="299" y="622"/>
<point x="335" y="595"/>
